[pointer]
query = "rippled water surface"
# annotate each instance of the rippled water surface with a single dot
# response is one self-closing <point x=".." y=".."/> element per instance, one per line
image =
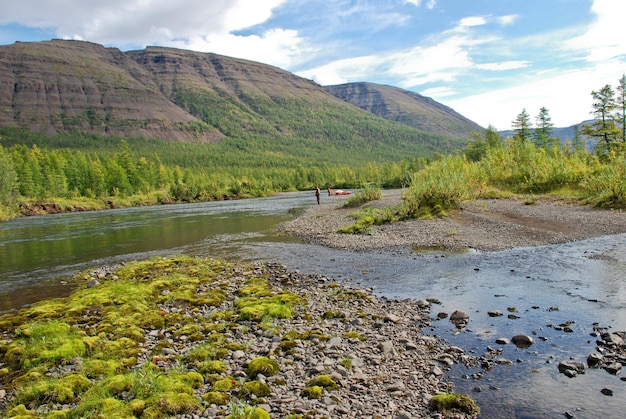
<point x="585" y="280"/>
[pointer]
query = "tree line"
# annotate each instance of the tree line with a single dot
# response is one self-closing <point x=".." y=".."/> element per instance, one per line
<point x="118" y="172"/>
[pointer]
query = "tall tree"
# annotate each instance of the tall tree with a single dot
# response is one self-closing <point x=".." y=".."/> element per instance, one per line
<point x="522" y="126"/>
<point x="543" y="128"/>
<point x="621" y="105"/>
<point x="603" y="128"/>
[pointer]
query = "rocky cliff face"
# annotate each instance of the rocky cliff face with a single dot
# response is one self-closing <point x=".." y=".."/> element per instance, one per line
<point x="405" y="107"/>
<point x="62" y="86"/>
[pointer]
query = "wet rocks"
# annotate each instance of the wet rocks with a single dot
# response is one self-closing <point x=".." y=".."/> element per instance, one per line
<point x="459" y="319"/>
<point x="571" y="368"/>
<point x="522" y="341"/>
<point x="611" y="353"/>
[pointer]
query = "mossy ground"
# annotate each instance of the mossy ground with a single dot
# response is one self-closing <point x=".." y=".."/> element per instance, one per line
<point x="85" y="355"/>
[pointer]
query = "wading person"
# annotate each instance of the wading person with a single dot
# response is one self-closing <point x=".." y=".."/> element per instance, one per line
<point x="317" y="194"/>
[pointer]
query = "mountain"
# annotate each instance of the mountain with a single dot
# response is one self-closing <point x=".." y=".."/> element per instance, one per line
<point x="63" y="86"/>
<point x="409" y="108"/>
<point x="60" y="86"/>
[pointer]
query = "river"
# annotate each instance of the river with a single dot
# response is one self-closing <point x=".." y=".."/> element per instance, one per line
<point x="581" y="282"/>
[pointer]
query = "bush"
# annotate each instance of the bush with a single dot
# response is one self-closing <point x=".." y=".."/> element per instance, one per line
<point x="361" y="196"/>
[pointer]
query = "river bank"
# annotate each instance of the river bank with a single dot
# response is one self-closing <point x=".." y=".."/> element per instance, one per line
<point x="195" y="327"/>
<point x="481" y="224"/>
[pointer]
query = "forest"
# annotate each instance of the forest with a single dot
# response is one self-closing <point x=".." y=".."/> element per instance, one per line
<point x="85" y="172"/>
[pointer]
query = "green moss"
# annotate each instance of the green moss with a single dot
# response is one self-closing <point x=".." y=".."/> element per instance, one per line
<point x="225" y="384"/>
<point x="194" y="379"/>
<point x="217" y="397"/>
<point x="173" y="403"/>
<point x="248" y="412"/>
<point x="333" y="314"/>
<point x="324" y="381"/>
<point x="314" y="392"/>
<point x="211" y="367"/>
<point x="257" y="312"/>
<point x="256" y="388"/>
<point x="451" y="402"/>
<point x="137" y="406"/>
<point x="354" y="335"/>
<point x="346" y="363"/>
<point x="47" y="309"/>
<point x="262" y="365"/>
<point x="53" y="390"/>
<point x="49" y="341"/>
<point x="20" y="411"/>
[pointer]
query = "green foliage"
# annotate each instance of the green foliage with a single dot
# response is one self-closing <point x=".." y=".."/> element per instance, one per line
<point x="115" y="172"/>
<point x="440" y="187"/>
<point x="366" y="194"/>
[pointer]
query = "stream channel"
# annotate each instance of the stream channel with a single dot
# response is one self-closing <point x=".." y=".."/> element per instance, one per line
<point x="581" y="282"/>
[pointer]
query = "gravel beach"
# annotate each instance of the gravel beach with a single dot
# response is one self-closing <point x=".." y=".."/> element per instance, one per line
<point x="482" y="224"/>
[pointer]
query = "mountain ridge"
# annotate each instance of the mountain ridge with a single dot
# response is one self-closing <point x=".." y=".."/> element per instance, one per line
<point x="173" y="94"/>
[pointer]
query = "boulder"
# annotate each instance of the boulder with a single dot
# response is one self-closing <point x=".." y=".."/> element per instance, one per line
<point x="522" y="341"/>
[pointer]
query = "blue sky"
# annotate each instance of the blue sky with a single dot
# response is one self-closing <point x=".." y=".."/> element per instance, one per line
<point x="486" y="59"/>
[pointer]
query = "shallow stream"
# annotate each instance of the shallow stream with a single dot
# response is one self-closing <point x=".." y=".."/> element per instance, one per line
<point x="540" y="287"/>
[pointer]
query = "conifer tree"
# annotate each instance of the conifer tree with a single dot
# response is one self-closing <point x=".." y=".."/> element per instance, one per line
<point x="603" y="128"/>
<point x="522" y="126"/>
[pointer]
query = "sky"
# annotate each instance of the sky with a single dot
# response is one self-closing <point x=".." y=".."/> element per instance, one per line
<point x="487" y="59"/>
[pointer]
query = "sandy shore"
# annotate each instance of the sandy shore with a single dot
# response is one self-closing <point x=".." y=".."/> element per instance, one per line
<point x="483" y="224"/>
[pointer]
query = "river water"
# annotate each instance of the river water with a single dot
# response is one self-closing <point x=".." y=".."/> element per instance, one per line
<point x="581" y="282"/>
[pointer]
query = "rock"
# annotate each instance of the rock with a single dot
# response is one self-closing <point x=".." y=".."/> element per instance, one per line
<point x="593" y="360"/>
<point x="494" y="313"/>
<point x="571" y="368"/>
<point x="422" y="303"/>
<point x="613" y="368"/>
<point x="387" y="348"/>
<point x="459" y="319"/>
<point x="397" y="386"/>
<point x="459" y="315"/>
<point x="612" y="339"/>
<point x="522" y="341"/>
<point x="502" y="341"/>
<point x="93" y="283"/>
<point x="607" y="392"/>
<point x="392" y="318"/>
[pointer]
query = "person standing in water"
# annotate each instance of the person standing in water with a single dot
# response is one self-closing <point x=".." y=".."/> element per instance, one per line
<point x="317" y="194"/>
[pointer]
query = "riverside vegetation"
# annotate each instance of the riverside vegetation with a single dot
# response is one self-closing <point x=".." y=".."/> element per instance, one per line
<point x="183" y="336"/>
<point x="500" y="169"/>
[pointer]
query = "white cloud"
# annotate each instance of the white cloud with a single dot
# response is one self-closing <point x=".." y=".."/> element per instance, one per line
<point x="342" y="71"/>
<point x="503" y="66"/>
<point x="507" y="20"/>
<point x="604" y="38"/>
<point x="564" y="94"/>
<point x="472" y="21"/>
<point x="151" y="22"/>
